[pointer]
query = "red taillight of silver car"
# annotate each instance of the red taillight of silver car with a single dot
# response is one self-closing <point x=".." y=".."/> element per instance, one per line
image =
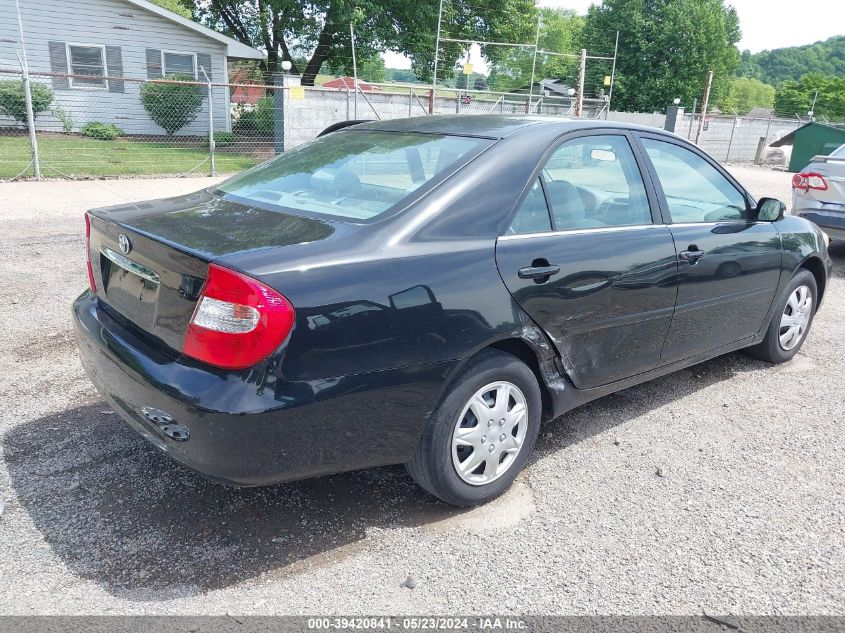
<point x="809" y="180"/>
<point x="238" y="321"/>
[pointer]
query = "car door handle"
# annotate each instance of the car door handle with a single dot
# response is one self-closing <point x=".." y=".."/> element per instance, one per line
<point x="538" y="272"/>
<point x="691" y="256"/>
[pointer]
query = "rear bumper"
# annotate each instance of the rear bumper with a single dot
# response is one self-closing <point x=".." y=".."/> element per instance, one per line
<point x="250" y="427"/>
<point x="830" y="216"/>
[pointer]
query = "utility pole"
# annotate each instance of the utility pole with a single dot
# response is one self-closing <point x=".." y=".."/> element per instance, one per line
<point x="579" y="105"/>
<point x="436" y="55"/>
<point x="612" y="76"/>
<point x="534" y="63"/>
<point x="704" y="105"/>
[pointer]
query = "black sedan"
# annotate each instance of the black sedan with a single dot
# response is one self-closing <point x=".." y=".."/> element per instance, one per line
<point x="426" y="291"/>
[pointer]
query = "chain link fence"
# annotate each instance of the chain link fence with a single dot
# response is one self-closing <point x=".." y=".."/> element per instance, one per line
<point x="735" y="138"/>
<point x="143" y="127"/>
<point x="122" y="126"/>
<point x="127" y="126"/>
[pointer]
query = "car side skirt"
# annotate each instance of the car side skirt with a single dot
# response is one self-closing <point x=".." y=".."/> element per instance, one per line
<point x="566" y="398"/>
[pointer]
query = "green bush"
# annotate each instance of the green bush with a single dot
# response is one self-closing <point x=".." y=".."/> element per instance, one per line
<point x="172" y="106"/>
<point x="224" y="139"/>
<point x="102" y="131"/>
<point x="62" y="115"/>
<point x="13" y="102"/>
<point x="259" y="120"/>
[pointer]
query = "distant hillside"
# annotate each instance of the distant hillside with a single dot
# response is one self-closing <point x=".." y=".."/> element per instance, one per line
<point x="783" y="64"/>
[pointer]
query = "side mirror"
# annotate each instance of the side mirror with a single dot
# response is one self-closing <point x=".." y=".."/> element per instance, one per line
<point x="769" y="210"/>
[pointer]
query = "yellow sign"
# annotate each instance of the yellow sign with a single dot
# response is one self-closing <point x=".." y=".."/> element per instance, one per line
<point x="467" y="69"/>
<point x="607" y="80"/>
<point x="297" y="92"/>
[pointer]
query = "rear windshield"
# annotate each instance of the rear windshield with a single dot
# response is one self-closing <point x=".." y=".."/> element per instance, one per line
<point x="354" y="174"/>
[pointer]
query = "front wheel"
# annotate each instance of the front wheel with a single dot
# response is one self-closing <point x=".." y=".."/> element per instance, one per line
<point x="791" y="321"/>
<point x="481" y="434"/>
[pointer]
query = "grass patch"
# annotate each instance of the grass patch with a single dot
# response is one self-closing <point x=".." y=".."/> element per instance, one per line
<point x="79" y="156"/>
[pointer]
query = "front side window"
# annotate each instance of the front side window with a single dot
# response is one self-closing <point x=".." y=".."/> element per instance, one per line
<point x="179" y="64"/>
<point x="88" y="61"/>
<point x="594" y="182"/>
<point x="354" y="174"/>
<point x="695" y="190"/>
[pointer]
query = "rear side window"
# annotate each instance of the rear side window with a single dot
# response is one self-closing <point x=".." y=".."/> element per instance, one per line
<point x="695" y="190"/>
<point x="533" y="214"/>
<point x="353" y="174"/>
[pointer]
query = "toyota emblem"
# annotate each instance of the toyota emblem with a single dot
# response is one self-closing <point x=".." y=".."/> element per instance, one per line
<point x="124" y="244"/>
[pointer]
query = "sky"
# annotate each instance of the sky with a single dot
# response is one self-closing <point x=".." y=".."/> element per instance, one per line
<point x="765" y="24"/>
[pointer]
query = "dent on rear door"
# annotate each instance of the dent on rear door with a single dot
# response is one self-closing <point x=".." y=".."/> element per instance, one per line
<point x="608" y="310"/>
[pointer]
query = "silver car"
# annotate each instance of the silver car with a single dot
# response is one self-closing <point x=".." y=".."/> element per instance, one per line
<point x="818" y="193"/>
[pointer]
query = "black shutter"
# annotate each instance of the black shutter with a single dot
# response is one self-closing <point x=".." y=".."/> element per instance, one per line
<point x="154" y="69"/>
<point x="204" y="62"/>
<point x="58" y="64"/>
<point x="114" y="68"/>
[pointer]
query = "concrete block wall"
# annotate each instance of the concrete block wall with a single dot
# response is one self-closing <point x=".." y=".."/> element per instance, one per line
<point x="728" y="139"/>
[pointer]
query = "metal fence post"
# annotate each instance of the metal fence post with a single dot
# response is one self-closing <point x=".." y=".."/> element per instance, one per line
<point x="692" y="118"/>
<point x="354" y="68"/>
<point x="210" y="122"/>
<point x="347" y="99"/>
<point x="731" y="140"/>
<point x="279" y="113"/>
<point x="30" y="119"/>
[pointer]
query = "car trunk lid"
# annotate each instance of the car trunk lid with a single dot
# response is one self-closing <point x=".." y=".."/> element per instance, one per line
<point x="150" y="260"/>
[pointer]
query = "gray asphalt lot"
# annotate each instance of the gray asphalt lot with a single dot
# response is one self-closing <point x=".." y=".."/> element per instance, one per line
<point x="747" y="515"/>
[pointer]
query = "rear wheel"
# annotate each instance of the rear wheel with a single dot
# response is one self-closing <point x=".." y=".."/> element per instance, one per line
<point x="791" y="321"/>
<point x="481" y="434"/>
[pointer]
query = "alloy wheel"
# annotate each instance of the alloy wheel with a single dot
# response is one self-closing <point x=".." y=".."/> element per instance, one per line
<point x="489" y="433"/>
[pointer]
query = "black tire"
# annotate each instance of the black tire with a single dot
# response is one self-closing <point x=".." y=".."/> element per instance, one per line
<point x="432" y="465"/>
<point x="770" y="348"/>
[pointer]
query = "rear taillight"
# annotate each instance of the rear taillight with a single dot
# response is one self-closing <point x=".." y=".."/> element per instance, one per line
<point x="91" y="282"/>
<point x="809" y="180"/>
<point x="238" y="321"/>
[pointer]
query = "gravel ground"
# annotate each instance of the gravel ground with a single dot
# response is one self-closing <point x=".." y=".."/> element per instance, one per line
<point x="746" y="515"/>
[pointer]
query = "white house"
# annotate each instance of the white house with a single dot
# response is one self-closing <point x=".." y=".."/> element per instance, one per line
<point x="115" y="44"/>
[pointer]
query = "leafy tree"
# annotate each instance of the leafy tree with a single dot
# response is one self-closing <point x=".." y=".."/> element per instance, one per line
<point x="796" y="97"/>
<point x="745" y="93"/>
<point x="666" y="48"/>
<point x="560" y="32"/>
<point x="319" y="29"/>
<point x="172" y="105"/>
<point x="177" y="6"/>
<point x="13" y="101"/>
<point x="792" y="63"/>
<point x="401" y="75"/>
<point x="369" y="68"/>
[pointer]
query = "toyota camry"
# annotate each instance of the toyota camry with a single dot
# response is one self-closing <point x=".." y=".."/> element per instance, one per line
<point x="427" y="291"/>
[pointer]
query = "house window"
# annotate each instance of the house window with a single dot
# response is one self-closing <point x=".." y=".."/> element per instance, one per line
<point x="90" y="61"/>
<point x="178" y="64"/>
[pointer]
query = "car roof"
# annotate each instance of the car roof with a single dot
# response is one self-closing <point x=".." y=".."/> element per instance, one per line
<point x="493" y="126"/>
